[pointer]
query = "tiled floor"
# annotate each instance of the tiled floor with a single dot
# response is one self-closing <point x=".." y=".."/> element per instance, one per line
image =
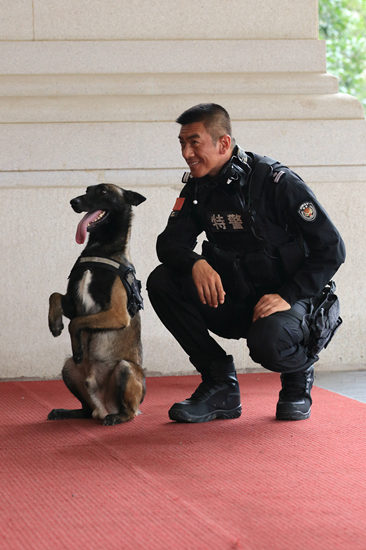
<point x="349" y="383"/>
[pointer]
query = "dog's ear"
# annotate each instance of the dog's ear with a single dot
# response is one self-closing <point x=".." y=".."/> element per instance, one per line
<point x="133" y="198"/>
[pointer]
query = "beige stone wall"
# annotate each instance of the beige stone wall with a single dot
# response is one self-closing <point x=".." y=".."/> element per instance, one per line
<point x="89" y="92"/>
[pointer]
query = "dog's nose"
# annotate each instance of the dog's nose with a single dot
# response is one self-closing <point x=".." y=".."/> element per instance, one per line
<point x="76" y="204"/>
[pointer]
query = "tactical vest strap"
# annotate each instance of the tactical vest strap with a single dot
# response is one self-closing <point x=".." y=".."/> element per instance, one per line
<point x="262" y="168"/>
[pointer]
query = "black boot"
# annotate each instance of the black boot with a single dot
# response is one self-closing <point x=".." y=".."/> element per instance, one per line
<point x="295" y="400"/>
<point x="217" y="396"/>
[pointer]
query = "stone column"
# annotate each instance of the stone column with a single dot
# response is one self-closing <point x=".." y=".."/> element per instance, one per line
<point x="89" y="92"/>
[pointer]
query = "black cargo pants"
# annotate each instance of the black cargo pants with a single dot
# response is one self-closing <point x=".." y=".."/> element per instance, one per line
<point x="276" y="342"/>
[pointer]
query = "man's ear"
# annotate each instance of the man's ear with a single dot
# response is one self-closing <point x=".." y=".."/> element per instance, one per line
<point x="133" y="198"/>
<point x="225" y="144"/>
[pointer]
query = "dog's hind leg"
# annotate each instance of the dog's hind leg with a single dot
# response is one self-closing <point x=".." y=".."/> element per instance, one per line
<point x="129" y="392"/>
<point x="74" y="381"/>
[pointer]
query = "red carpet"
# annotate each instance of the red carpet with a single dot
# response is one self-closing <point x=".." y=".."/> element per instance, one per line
<point x="251" y="483"/>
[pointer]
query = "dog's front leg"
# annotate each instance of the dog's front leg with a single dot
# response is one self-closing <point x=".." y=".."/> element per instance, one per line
<point x="55" y="313"/>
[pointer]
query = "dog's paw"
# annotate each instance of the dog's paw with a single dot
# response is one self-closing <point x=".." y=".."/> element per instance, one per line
<point x="57" y="332"/>
<point x="112" y="420"/>
<point x="55" y="414"/>
<point x="56" y="328"/>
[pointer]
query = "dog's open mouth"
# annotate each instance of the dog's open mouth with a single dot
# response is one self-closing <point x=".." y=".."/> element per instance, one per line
<point x="90" y="220"/>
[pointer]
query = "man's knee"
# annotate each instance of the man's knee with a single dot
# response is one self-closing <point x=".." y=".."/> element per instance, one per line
<point x="262" y="340"/>
<point x="156" y="280"/>
<point x="271" y="343"/>
<point x="161" y="282"/>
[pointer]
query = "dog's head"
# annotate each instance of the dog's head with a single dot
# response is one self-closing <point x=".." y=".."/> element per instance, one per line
<point x="100" y="202"/>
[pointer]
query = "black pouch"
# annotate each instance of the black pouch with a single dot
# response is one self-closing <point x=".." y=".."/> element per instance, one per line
<point x="323" y="320"/>
<point x="228" y="266"/>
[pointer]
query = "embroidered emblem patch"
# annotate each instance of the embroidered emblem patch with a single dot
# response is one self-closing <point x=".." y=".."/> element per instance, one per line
<point x="218" y="221"/>
<point x="307" y="211"/>
<point x="226" y="222"/>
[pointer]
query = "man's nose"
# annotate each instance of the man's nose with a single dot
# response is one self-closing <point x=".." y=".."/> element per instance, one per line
<point x="187" y="151"/>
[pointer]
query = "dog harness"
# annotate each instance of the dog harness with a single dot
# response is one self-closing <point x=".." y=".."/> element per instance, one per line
<point x="126" y="273"/>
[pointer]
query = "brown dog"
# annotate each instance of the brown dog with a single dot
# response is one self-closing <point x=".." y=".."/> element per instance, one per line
<point x="102" y="302"/>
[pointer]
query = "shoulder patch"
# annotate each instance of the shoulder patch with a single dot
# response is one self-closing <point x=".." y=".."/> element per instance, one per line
<point x="179" y="204"/>
<point x="307" y="211"/>
<point x="177" y="207"/>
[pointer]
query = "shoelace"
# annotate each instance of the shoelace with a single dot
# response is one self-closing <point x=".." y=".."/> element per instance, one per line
<point x="295" y="386"/>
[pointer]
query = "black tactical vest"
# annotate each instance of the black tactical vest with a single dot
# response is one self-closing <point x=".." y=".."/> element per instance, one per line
<point x="250" y="249"/>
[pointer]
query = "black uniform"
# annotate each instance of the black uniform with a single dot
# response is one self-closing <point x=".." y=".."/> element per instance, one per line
<point x="266" y="233"/>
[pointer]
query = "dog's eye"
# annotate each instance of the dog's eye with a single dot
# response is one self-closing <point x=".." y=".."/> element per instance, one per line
<point x="103" y="191"/>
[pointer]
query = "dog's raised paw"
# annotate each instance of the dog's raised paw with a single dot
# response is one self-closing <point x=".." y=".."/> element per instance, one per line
<point x="56" y="326"/>
<point x="56" y="331"/>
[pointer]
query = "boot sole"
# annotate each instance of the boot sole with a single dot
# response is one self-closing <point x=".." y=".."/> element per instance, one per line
<point x="298" y="415"/>
<point x="182" y="416"/>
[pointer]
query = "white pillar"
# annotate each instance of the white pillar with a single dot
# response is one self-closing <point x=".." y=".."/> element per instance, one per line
<point x="89" y="92"/>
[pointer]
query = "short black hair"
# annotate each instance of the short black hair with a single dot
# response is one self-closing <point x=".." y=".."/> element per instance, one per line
<point x="214" y="117"/>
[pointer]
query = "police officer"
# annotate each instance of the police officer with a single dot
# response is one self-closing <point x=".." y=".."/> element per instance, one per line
<point x="270" y="249"/>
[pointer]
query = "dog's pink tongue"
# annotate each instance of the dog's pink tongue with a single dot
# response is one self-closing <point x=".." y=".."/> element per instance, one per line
<point x="83" y="224"/>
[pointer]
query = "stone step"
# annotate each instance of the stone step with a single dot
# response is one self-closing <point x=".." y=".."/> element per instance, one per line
<point x="166" y="19"/>
<point x="125" y="108"/>
<point x="185" y="56"/>
<point x="161" y="84"/>
<point x="172" y="178"/>
<point x="146" y="145"/>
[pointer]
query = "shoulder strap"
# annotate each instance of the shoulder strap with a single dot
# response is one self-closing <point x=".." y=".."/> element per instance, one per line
<point x="263" y="167"/>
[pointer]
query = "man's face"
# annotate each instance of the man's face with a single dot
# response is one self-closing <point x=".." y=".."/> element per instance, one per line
<point x="200" y="153"/>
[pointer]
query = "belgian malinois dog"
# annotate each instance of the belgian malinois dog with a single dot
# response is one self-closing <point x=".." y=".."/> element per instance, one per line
<point x="102" y="302"/>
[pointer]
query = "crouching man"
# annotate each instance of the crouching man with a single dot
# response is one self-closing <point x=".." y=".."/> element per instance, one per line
<point x="270" y="249"/>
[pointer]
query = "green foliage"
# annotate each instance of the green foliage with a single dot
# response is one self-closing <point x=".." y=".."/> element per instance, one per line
<point x="342" y="23"/>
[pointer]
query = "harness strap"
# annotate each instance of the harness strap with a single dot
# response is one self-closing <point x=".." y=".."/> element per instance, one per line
<point x="96" y="259"/>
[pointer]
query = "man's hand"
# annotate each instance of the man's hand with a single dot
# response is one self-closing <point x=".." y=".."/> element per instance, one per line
<point x="268" y="304"/>
<point x="208" y="284"/>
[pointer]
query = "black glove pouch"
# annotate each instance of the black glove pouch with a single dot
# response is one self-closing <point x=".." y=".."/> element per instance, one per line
<point x="323" y="320"/>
